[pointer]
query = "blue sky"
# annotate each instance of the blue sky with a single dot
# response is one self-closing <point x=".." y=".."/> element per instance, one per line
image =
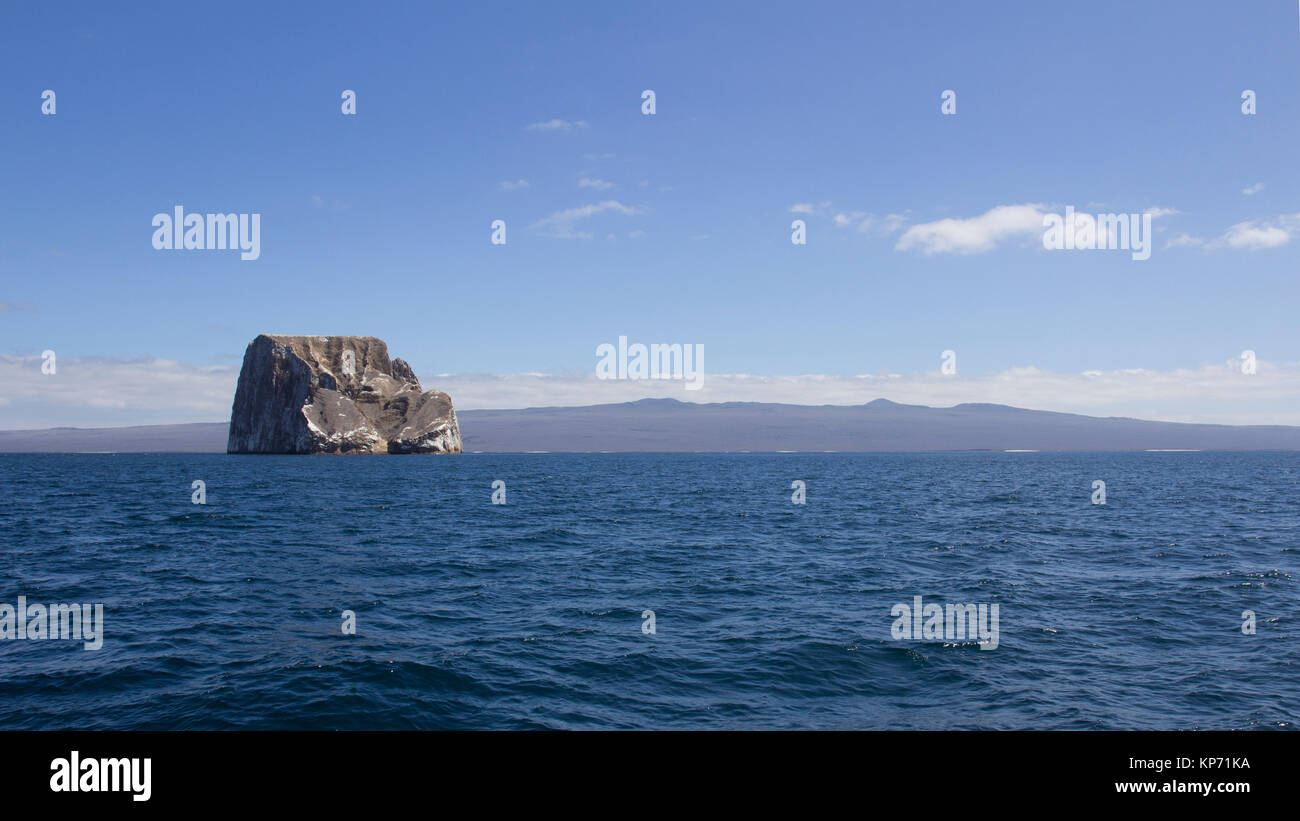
<point x="378" y="223"/>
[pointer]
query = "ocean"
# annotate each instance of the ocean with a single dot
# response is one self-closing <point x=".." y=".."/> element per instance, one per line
<point x="766" y="614"/>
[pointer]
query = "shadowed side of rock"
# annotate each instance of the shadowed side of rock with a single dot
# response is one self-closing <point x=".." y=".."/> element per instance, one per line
<point x="335" y="394"/>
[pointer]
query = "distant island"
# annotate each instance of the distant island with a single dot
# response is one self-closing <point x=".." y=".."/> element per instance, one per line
<point x="667" y="425"/>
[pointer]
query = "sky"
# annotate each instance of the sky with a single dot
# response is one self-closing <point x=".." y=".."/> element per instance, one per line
<point x="924" y="230"/>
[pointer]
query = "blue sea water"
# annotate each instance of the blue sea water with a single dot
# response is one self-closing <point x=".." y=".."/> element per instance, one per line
<point x="767" y="614"/>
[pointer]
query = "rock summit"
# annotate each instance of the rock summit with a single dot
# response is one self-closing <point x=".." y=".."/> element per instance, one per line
<point x="335" y="394"/>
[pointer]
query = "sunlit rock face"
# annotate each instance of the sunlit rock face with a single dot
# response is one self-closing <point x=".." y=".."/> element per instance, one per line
<point x="335" y="394"/>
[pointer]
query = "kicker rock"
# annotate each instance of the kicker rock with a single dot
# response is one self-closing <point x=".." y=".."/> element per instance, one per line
<point x="335" y="394"/>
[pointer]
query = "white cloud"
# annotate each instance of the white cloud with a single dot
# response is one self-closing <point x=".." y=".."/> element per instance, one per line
<point x="102" y="392"/>
<point x="557" y="125"/>
<point x="98" y="392"/>
<point x="561" y="223"/>
<point x="1253" y="189"/>
<point x="974" y="235"/>
<point x="599" y="185"/>
<point x="513" y="185"/>
<point x="1251" y="235"/>
<point x="1212" y="394"/>
<point x="1254" y="236"/>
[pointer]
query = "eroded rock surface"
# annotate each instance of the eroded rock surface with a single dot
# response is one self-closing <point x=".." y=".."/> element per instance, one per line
<point x="335" y="394"/>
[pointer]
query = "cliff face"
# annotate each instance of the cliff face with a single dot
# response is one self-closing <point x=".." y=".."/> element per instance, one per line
<point x="335" y="394"/>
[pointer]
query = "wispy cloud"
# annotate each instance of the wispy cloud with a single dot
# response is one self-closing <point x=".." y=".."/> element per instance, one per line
<point x="865" y="222"/>
<point x="561" y="223"/>
<point x="556" y="125"/>
<point x="1185" y="241"/>
<point x="599" y="185"/>
<point x="1252" y="235"/>
<point x="809" y="208"/>
<point x="323" y="202"/>
<point x="513" y="185"/>
<point x="1253" y="189"/>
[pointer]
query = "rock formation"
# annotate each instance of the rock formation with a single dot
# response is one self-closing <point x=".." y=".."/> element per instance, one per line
<point x="335" y="394"/>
